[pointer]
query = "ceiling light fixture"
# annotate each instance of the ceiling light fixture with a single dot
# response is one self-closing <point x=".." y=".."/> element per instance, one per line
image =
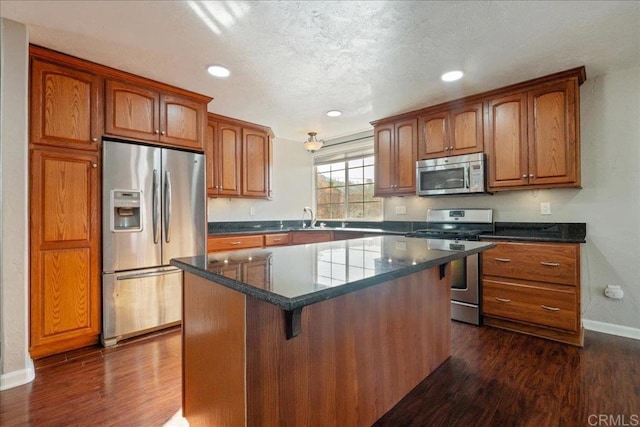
<point x="334" y="113"/>
<point x="218" y="71"/>
<point x="452" y="76"/>
<point x="312" y="144"/>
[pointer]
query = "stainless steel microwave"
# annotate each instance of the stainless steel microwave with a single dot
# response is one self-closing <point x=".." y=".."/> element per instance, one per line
<point x="451" y="175"/>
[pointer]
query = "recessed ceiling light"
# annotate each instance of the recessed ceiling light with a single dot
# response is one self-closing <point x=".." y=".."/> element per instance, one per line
<point x="452" y="76"/>
<point x="218" y="71"/>
<point x="334" y="113"/>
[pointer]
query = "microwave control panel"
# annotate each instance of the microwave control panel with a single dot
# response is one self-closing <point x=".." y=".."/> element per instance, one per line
<point x="476" y="177"/>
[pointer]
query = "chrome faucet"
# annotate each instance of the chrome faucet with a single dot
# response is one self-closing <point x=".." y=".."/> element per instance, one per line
<point x="312" y="216"/>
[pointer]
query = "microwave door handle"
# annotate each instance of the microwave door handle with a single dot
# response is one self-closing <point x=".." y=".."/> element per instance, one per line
<point x="156" y="207"/>
<point x="467" y="177"/>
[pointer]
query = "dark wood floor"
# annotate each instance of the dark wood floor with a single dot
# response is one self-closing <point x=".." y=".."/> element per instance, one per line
<point x="494" y="378"/>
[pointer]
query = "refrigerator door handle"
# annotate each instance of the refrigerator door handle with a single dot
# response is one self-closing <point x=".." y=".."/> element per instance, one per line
<point x="148" y="274"/>
<point x="156" y="207"/>
<point x="167" y="207"/>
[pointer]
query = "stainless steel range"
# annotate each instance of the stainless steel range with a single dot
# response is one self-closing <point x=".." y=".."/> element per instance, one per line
<point x="448" y="229"/>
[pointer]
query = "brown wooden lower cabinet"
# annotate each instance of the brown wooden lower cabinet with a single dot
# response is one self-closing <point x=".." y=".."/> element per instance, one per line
<point x="303" y="237"/>
<point x="239" y="369"/>
<point x="533" y="288"/>
<point x="219" y="243"/>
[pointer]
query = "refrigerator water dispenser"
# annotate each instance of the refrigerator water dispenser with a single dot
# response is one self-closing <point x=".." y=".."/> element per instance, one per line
<point x="126" y="210"/>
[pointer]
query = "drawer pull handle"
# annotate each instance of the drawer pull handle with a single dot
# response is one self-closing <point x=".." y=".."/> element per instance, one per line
<point x="504" y="300"/>
<point x="550" y="264"/>
<point x="277" y="240"/>
<point x="546" y="307"/>
<point x="236" y="243"/>
<point x="503" y="259"/>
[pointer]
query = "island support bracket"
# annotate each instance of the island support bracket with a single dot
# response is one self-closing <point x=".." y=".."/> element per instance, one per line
<point x="293" y="321"/>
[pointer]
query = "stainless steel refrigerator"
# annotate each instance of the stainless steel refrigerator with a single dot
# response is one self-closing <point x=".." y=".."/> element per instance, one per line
<point x="153" y="209"/>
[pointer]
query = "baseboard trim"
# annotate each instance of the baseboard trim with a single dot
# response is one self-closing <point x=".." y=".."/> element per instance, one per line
<point x="611" y="329"/>
<point x="18" y="378"/>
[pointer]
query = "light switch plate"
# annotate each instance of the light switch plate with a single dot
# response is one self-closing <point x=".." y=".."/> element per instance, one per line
<point x="252" y="211"/>
<point x="401" y="210"/>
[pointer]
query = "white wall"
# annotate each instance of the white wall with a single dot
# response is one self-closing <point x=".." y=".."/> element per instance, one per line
<point x="609" y="201"/>
<point x="292" y="189"/>
<point x="16" y="366"/>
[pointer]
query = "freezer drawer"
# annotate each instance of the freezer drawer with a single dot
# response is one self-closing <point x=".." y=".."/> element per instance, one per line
<point x="140" y="301"/>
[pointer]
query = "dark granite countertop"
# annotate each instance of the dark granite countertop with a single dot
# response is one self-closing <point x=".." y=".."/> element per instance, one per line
<point x="559" y="232"/>
<point x="268" y="227"/>
<point x="565" y="232"/>
<point x="305" y="274"/>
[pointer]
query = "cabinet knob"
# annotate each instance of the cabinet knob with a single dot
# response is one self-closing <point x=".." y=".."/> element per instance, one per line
<point x="530" y="175"/>
<point x="94" y="139"/>
<point x="163" y="132"/>
<point x="451" y="148"/>
<point x="524" y="176"/>
<point x="94" y="165"/>
<point x="157" y="131"/>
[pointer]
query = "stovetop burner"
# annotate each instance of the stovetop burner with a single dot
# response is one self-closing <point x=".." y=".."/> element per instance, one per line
<point x="456" y="224"/>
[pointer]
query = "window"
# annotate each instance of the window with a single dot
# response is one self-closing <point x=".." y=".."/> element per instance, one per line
<point x="344" y="190"/>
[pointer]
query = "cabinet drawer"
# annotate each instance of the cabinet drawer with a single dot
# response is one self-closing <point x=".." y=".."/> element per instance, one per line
<point x="302" y="237"/>
<point x="276" y="239"/>
<point x="556" y="308"/>
<point x="216" y="244"/>
<point x="553" y="263"/>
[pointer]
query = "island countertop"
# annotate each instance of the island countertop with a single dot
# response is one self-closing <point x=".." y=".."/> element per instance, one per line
<point x="292" y="277"/>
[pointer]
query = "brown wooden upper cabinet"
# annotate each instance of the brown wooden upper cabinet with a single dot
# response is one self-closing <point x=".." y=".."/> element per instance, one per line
<point x="395" y="147"/>
<point x="256" y="163"/>
<point x="139" y="112"/>
<point x="239" y="158"/>
<point x="224" y="159"/>
<point x="451" y="132"/>
<point x="65" y="106"/>
<point x="533" y="137"/>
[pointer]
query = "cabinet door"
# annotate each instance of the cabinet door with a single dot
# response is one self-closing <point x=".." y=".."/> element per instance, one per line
<point x="433" y="140"/>
<point x="256" y="163"/>
<point x="131" y="111"/>
<point x="553" y="147"/>
<point x="228" y="159"/>
<point x="181" y="121"/>
<point x="466" y="125"/>
<point x="64" y="106"/>
<point x="506" y="148"/>
<point x="210" y="158"/>
<point x="383" y="140"/>
<point x="65" y="240"/>
<point x="406" y="140"/>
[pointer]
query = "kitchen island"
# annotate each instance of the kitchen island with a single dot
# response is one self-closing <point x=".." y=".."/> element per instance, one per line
<point x="322" y="334"/>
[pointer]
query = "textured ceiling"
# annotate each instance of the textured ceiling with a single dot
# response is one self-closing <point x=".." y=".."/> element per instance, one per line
<point x="292" y="61"/>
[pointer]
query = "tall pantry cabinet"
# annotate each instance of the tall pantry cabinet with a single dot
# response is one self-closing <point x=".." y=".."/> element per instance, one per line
<point x="64" y="180"/>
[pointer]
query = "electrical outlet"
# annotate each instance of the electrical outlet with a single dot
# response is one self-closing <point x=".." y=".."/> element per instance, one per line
<point x="401" y="210"/>
<point x="613" y="292"/>
<point x="252" y="211"/>
<point x="545" y="208"/>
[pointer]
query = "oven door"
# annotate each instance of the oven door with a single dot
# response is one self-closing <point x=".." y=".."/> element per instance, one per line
<point x="465" y="287"/>
<point x="433" y="180"/>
